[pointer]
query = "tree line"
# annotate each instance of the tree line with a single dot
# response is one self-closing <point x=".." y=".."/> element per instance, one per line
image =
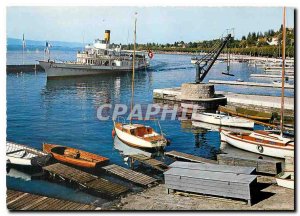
<point x="255" y="44"/>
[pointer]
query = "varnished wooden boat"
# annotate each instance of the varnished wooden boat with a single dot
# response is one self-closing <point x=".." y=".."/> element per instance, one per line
<point x="247" y="113"/>
<point x="74" y="156"/>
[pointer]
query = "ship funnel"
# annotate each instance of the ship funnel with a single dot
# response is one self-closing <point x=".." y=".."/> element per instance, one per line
<point x="107" y="36"/>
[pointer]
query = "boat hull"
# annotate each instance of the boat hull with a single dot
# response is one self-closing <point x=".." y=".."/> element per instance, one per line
<point x="61" y="69"/>
<point x="18" y="161"/>
<point x="255" y="146"/>
<point x="287" y="183"/>
<point x="75" y="161"/>
<point x="223" y="121"/>
<point x="18" y="154"/>
<point x="138" y="142"/>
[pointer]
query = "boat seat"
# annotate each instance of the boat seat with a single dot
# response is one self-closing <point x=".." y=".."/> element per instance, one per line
<point x="72" y="154"/>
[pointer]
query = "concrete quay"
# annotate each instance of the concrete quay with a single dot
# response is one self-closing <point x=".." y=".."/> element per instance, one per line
<point x="174" y="94"/>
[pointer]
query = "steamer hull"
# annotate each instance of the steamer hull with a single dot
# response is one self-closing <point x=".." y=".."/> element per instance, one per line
<point x="62" y="69"/>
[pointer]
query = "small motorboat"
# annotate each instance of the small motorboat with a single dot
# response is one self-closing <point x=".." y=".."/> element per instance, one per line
<point x="285" y="179"/>
<point x="74" y="156"/>
<point x="18" y="154"/>
<point x="260" y="142"/>
<point x="223" y="120"/>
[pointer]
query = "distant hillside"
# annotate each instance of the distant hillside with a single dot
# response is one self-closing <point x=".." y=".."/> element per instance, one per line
<point x="17" y="43"/>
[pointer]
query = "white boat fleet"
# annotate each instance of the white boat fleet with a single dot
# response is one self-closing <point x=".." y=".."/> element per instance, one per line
<point x="99" y="58"/>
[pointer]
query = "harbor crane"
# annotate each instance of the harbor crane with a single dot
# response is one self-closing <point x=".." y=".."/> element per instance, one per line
<point x="204" y="64"/>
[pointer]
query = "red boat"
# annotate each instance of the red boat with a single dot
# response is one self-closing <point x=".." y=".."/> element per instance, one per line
<point x="74" y="156"/>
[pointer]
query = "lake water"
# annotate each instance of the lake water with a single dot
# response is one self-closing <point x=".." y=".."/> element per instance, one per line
<point x="64" y="111"/>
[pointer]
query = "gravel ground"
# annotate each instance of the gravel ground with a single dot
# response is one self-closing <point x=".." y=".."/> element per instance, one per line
<point x="272" y="197"/>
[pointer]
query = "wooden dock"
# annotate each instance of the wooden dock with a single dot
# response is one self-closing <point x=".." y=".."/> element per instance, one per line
<point x="143" y="159"/>
<point x="21" y="201"/>
<point x="86" y="180"/>
<point x="271" y="76"/>
<point x="130" y="175"/>
<point x="253" y="84"/>
<point x="189" y="157"/>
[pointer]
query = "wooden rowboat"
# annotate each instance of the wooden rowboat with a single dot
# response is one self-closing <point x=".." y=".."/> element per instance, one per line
<point x="247" y="113"/>
<point x="74" y="156"/>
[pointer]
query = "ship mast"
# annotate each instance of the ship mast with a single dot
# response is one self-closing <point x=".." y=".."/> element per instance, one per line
<point x="133" y="67"/>
<point x="283" y="73"/>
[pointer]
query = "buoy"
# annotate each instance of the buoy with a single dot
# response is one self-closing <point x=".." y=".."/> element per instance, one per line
<point x="113" y="133"/>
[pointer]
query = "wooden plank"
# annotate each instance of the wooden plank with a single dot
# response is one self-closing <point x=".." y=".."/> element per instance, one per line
<point x="87" y="180"/>
<point x="189" y="157"/>
<point x="130" y="175"/>
<point x="204" y="182"/>
<point x="218" y="176"/>
<point x="70" y="173"/>
<point x="213" y="167"/>
<point x="262" y="166"/>
<point x="105" y="187"/>
<point x="29" y="201"/>
<point x="156" y="164"/>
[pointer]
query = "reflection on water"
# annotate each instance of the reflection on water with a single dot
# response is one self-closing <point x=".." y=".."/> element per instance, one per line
<point x="126" y="150"/>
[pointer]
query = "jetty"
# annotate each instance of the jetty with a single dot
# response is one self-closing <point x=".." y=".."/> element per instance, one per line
<point x="86" y="180"/>
<point x="148" y="161"/>
<point x="23" y="68"/>
<point x="130" y="175"/>
<point x="21" y="201"/>
<point x="253" y="84"/>
<point x="189" y="157"/>
<point x="272" y="76"/>
<point x="264" y="101"/>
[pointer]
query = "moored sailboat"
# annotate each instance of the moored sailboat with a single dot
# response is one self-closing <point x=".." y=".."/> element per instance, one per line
<point x="138" y="135"/>
<point x="260" y="142"/>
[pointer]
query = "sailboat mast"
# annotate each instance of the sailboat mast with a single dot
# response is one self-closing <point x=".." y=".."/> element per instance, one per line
<point x="133" y="69"/>
<point x="283" y="73"/>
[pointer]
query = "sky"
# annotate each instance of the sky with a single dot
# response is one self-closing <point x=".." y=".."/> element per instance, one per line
<point x="154" y="24"/>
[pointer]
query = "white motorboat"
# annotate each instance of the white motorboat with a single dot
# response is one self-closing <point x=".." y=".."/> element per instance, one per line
<point x="223" y="120"/>
<point x="22" y="155"/>
<point x="260" y="142"/>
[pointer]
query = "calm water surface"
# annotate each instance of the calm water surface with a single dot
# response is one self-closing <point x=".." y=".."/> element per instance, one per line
<point x="64" y="111"/>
